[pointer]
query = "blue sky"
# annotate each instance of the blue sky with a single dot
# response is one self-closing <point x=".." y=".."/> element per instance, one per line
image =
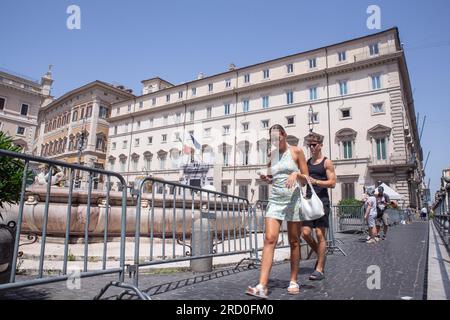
<point x="128" y="41"/>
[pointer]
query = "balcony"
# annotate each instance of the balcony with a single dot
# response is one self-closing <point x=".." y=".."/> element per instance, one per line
<point x="391" y="162"/>
<point x="195" y="167"/>
<point x="383" y="49"/>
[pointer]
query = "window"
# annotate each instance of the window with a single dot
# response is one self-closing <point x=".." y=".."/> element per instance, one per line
<point x="138" y="125"/>
<point x="265" y="102"/>
<point x="165" y="120"/>
<point x="192" y="115"/>
<point x="342" y="88"/>
<point x="289" y="97"/>
<point x="164" y="138"/>
<point x="111" y="165"/>
<point x="134" y="164"/>
<point x="168" y="98"/>
<point x="342" y="56"/>
<point x="113" y="146"/>
<point x="207" y="132"/>
<point x="245" y="105"/>
<point x="245" y="126"/>
<point x="162" y="162"/>
<point x="210" y="87"/>
<point x="147" y="163"/>
<point x="265" y="124"/>
<point x="21" y="130"/>
<point x="227" y="83"/>
<point x="208" y="112"/>
<point x="180" y="94"/>
<point x="99" y="143"/>
<point x="129" y="107"/>
<point x="124" y="144"/>
<point x="178" y="118"/>
<point x="266" y="73"/>
<point x="151" y="123"/>
<point x="24" y="109"/>
<point x="194" y="91"/>
<point x="226" y="130"/>
<point x="243" y="191"/>
<point x="347" y="149"/>
<point x="263" y="193"/>
<point x="376" y="82"/>
<point x="103" y="112"/>
<point x="377" y="108"/>
<point x="125" y="127"/>
<point x="227" y="108"/>
<point x="224" y="188"/>
<point x="118" y="111"/>
<point x="348" y="190"/>
<point x="2" y="103"/>
<point x="247" y="78"/>
<point x="290" y="68"/>
<point x="153" y="101"/>
<point x="373" y="49"/>
<point x="312" y="63"/>
<point x="313" y="93"/>
<point x="381" y="148"/>
<point x="290" y="120"/>
<point x="226" y="157"/>
<point x="345" y="113"/>
<point x="136" y="142"/>
<point x="88" y="111"/>
<point x="314" y="118"/>
<point x="75" y="116"/>
<point x="150" y="140"/>
<point x="141" y="104"/>
<point x="122" y="164"/>
<point x="82" y="113"/>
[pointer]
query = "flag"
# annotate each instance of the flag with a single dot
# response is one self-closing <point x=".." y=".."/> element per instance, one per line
<point x="195" y="142"/>
<point x="184" y="147"/>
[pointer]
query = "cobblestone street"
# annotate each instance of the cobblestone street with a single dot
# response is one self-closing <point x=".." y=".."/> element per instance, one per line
<point x="402" y="259"/>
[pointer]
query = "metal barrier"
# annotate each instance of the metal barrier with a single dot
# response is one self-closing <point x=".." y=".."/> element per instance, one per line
<point x="215" y="223"/>
<point x="28" y="162"/>
<point x="442" y="222"/>
<point x="349" y="219"/>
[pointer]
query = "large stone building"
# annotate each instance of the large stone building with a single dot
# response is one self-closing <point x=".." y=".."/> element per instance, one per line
<point x="357" y="94"/>
<point x="20" y="100"/>
<point x="74" y="127"/>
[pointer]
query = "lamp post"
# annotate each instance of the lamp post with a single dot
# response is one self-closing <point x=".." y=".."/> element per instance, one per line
<point x="310" y="118"/>
<point x="81" y="140"/>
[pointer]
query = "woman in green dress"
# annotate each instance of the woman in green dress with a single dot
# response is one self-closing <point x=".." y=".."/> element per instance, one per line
<point x="287" y="166"/>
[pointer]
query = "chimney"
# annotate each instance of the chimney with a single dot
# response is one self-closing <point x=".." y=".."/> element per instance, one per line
<point x="201" y="75"/>
<point x="231" y="67"/>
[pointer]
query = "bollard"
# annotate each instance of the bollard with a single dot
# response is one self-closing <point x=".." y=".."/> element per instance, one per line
<point x="202" y="244"/>
<point x="7" y="236"/>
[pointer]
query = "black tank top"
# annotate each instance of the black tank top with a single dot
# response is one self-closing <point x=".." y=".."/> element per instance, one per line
<point x="318" y="172"/>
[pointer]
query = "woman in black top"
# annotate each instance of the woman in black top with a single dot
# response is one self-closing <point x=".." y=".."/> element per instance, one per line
<point x="322" y="177"/>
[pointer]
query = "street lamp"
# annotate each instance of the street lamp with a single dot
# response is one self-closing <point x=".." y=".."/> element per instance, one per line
<point x="311" y="118"/>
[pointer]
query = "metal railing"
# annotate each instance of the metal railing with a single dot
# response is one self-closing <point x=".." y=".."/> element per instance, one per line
<point x="26" y="162"/>
<point x="442" y="222"/>
<point x="193" y="224"/>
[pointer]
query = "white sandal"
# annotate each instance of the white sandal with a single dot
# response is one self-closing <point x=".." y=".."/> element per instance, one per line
<point x="293" y="288"/>
<point x="259" y="291"/>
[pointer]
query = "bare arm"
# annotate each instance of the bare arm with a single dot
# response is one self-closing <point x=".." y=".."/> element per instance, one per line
<point x="301" y="163"/>
<point x="331" y="176"/>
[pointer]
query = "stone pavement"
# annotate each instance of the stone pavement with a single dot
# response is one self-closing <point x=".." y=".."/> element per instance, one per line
<point x="401" y="259"/>
<point x="438" y="267"/>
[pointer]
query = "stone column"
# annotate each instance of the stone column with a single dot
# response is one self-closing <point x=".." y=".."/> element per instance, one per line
<point x="93" y="125"/>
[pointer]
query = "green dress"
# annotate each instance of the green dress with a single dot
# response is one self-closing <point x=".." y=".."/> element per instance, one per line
<point x="284" y="203"/>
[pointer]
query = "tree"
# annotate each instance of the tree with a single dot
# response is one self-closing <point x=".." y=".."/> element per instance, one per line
<point x="11" y="174"/>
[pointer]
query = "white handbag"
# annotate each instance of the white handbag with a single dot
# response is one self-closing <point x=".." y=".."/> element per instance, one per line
<point x="310" y="209"/>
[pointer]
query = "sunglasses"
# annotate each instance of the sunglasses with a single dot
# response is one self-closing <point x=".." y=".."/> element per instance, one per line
<point x="313" y="145"/>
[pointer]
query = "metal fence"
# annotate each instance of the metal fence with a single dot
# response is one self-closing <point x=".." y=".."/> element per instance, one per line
<point x="169" y="223"/>
<point x="442" y="222"/>
<point x="27" y="163"/>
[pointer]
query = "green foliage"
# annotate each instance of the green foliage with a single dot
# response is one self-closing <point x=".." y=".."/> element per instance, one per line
<point x="11" y="174"/>
<point x="349" y="208"/>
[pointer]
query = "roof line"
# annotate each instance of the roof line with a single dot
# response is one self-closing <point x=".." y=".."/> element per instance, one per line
<point x="277" y="59"/>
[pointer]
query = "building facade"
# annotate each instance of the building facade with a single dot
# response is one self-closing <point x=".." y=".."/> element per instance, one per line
<point x="20" y="100"/>
<point x="214" y="130"/>
<point x="74" y="127"/>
